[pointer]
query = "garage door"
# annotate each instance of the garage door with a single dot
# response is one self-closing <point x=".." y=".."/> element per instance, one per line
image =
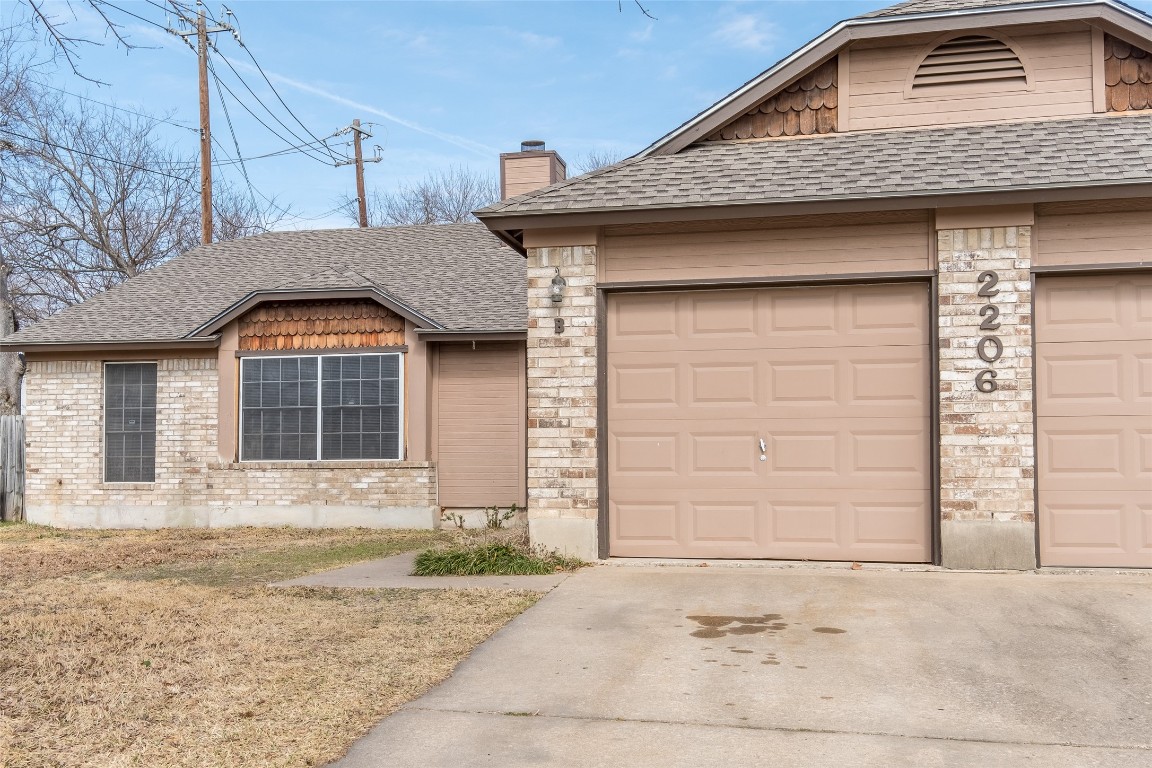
<point x="1094" y="420"/>
<point x="770" y="423"/>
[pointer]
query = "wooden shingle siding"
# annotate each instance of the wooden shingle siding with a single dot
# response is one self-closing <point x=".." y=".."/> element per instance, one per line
<point x="1127" y="76"/>
<point x="805" y="107"/>
<point x="1100" y="232"/>
<point x="480" y="424"/>
<point x="796" y="245"/>
<point x="288" y="325"/>
<point x="1059" y="64"/>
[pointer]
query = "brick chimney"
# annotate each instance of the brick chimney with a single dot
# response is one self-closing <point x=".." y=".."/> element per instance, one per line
<point x="529" y="169"/>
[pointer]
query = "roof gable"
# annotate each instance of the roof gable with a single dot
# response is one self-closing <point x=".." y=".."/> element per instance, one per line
<point x="916" y="16"/>
<point x="455" y="276"/>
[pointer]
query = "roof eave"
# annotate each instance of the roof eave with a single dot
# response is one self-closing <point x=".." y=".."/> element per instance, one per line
<point x="1120" y="17"/>
<point x="827" y="204"/>
<point x="209" y="342"/>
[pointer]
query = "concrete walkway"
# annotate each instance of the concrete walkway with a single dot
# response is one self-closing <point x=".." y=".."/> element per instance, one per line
<point x="707" y="667"/>
<point x="394" y="573"/>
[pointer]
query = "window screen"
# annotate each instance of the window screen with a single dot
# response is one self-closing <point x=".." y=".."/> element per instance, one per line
<point x="340" y="406"/>
<point x="361" y="407"/>
<point x="278" y="397"/>
<point x="130" y="422"/>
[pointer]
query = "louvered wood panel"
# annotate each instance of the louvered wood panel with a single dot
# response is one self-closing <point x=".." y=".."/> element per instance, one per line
<point x="1059" y="63"/>
<point x="1127" y="76"/>
<point x="480" y="424"/>
<point x="968" y="60"/>
<point x="805" y="107"/>
<point x="293" y="325"/>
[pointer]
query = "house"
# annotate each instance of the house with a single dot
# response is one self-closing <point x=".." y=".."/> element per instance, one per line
<point x="366" y="377"/>
<point x="889" y="300"/>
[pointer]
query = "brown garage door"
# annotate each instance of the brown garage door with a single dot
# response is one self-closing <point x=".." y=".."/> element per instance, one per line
<point x="479" y="440"/>
<point x="1094" y="420"/>
<point x="833" y="380"/>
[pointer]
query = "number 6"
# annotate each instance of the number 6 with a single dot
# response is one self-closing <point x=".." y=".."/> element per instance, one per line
<point x="986" y="380"/>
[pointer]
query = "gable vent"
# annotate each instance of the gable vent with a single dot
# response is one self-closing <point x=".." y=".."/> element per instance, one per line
<point x="971" y="59"/>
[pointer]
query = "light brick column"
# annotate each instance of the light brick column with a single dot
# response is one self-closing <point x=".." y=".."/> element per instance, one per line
<point x="987" y="452"/>
<point x="562" y="470"/>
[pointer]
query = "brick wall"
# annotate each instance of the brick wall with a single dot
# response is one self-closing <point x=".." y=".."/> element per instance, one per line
<point x="987" y="453"/>
<point x="64" y="406"/>
<point x="562" y="470"/>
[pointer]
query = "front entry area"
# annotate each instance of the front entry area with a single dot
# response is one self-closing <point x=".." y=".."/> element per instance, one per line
<point x="789" y="423"/>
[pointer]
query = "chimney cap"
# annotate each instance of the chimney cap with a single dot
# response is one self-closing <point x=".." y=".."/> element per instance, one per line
<point x="532" y="145"/>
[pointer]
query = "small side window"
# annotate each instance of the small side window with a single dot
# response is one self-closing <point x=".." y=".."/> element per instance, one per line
<point x="130" y="422"/>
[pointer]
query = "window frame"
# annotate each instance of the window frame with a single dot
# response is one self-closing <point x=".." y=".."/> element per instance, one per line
<point x="319" y="355"/>
<point x="104" y="422"/>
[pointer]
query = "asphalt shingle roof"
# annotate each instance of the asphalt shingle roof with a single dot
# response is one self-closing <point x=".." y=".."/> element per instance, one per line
<point x="941" y="6"/>
<point x="897" y="163"/>
<point x="459" y="275"/>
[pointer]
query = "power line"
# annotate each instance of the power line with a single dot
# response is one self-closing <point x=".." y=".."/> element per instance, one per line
<point x="120" y="109"/>
<point x="260" y="101"/>
<point x="95" y="156"/>
<point x="272" y="86"/>
<point x="270" y="129"/>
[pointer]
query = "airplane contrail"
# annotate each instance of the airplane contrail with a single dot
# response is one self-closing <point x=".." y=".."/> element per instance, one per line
<point x="460" y="141"/>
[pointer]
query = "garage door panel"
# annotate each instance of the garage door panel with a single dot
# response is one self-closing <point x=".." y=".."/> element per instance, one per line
<point x="1094" y="308"/>
<point x="790" y="524"/>
<point x="1096" y="529"/>
<point x="834" y="381"/>
<point x="1106" y="452"/>
<point x="802" y="318"/>
<point x="861" y="453"/>
<point x="1103" y="377"/>
<point x="873" y="382"/>
<point x="1094" y="420"/>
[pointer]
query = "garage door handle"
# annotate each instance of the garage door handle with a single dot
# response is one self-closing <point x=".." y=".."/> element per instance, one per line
<point x="763" y="450"/>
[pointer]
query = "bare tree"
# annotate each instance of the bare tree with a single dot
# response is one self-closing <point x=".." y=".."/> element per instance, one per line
<point x="595" y="159"/>
<point x="90" y="198"/>
<point x="442" y="197"/>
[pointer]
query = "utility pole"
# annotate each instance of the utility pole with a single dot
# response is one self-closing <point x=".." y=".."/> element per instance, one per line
<point x="201" y="33"/>
<point x="358" y="134"/>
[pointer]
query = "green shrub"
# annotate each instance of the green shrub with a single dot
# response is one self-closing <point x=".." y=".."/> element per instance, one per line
<point x="491" y="559"/>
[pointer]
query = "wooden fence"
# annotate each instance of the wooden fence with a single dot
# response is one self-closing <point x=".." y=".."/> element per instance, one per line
<point x="11" y="468"/>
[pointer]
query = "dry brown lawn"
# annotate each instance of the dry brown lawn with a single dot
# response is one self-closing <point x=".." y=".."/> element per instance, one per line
<point x="165" y="649"/>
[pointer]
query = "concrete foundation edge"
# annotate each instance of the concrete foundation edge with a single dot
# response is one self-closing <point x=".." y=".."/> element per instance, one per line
<point x="982" y="545"/>
<point x="300" y="516"/>
<point x="569" y="536"/>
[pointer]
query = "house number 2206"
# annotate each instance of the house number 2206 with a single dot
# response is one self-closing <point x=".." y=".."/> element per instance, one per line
<point x="989" y="348"/>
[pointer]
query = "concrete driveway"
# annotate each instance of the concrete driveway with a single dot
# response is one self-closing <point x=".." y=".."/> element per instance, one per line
<point x="629" y="666"/>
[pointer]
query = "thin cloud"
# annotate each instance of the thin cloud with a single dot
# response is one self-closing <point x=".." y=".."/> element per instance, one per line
<point x="747" y="31"/>
<point x="459" y="141"/>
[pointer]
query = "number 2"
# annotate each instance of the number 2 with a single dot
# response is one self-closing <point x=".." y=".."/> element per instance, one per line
<point x="989" y="323"/>
<point x="988" y="281"/>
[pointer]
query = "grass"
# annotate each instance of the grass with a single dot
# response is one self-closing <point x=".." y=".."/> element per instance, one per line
<point x="164" y="648"/>
<point x="491" y="558"/>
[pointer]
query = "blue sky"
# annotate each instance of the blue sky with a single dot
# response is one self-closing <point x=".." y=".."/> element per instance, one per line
<point x="446" y="83"/>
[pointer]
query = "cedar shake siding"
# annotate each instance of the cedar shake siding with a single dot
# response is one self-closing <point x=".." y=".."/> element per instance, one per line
<point x="806" y="107"/>
<point x="1127" y="76"/>
<point x="283" y="325"/>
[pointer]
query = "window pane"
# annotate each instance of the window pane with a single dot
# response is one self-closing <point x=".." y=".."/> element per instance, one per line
<point x="130" y="422"/>
<point x="278" y="399"/>
<point x="361" y="399"/>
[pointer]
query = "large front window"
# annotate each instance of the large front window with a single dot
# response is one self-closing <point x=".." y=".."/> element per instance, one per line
<point x="326" y="407"/>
